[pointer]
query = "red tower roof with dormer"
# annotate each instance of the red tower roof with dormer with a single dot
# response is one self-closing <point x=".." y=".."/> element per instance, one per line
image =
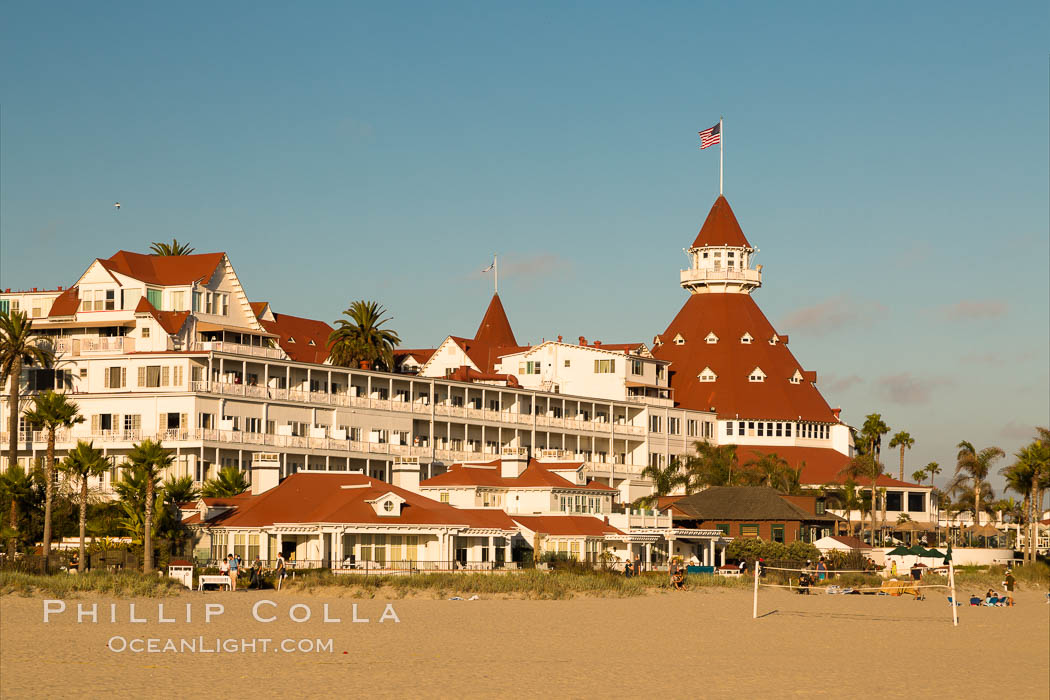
<point x="495" y="329"/>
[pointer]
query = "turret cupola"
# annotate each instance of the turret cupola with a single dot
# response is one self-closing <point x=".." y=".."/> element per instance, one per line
<point x="720" y="257"/>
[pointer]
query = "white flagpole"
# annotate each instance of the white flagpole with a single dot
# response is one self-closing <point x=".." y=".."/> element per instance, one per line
<point x="495" y="270"/>
<point x="721" y="146"/>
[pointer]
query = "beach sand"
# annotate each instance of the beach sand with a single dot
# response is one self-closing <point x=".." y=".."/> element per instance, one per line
<point x="700" y="643"/>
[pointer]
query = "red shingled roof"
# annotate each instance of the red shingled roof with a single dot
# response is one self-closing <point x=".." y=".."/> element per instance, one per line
<point x="822" y="465"/>
<point x="566" y="525"/>
<point x="302" y="331"/>
<point x="488" y="474"/>
<point x="495" y="328"/>
<point x="420" y="355"/>
<point x="170" y="321"/>
<point x="464" y="373"/>
<point x="164" y="270"/>
<point x="730" y="316"/>
<point x="320" y="498"/>
<point x="721" y="227"/>
<point x="66" y="303"/>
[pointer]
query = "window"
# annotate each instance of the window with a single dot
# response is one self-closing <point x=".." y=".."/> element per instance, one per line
<point x="655" y="424"/>
<point x="746" y="339"/>
<point x="760" y="431"/>
<point x="796" y="378"/>
<point x="132" y="422"/>
<point x="894" y="501"/>
<point x="604" y="366"/>
<point x="707" y="375"/>
<point x="711" y="338"/>
<point x="917" y="502"/>
<point x="153" y="296"/>
<point x="529" y="367"/>
<point x="740" y="428"/>
<point x="111" y="300"/>
<point x="177" y="300"/>
<point x="729" y="427"/>
<point x="674" y="426"/>
<point x="444" y="497"/>
<point x="116" y="377"/>
<point x="724" y="527"/>
<point x="821" y="506"/>
<point x="787" y="429"/>
<point x="154" y="376"/>
<point x="209" y="303"/>
<point x="678" y="339"/>
<point x="196" y="302"/>
<point x="636" y="366"/>
<point x="5" y="306"/>
<point x="748" y="530"/>
<point x="568" y="363"/>
<point x="145" y="332"/>
<point x="225" y="308"/>
<point x="777" y="533"/>
<point x="690" y="428"/>
<point x="780" y="429"/>
<point x="757" y="375"/>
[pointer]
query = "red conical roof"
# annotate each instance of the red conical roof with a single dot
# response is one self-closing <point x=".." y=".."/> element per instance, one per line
<point x="721" y="227"/>
<point x="495" y="328"/>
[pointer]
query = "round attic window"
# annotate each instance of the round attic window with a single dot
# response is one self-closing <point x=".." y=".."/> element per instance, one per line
<point x="388" y="506"/>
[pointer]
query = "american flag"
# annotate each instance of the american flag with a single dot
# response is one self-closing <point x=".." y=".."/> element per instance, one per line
<point x="711" y="137"/>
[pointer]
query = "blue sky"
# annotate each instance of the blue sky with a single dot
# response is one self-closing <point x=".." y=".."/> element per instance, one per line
<point x="891" y="163"/>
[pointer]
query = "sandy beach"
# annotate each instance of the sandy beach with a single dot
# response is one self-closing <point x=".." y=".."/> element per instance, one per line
<point x="699" y="643"/>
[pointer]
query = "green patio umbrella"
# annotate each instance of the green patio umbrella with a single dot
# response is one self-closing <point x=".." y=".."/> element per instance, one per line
<point x="898" y="552"/>
<point x="917" y="550"/>
<point x="934" y="553"/>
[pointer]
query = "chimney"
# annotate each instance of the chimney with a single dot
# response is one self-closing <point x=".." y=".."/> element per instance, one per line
<point x="266" y="472"/>
<point x="836" y="412"/>
<point x="60" y="288"/>
<point x="513" y="461"/>
<point x="365" y="364"/>
<point x="34" y="289"/>
<point x="405" y="474"/>
<point x="559" y="338"/>
<point x="597" y="343"/>
<point x="583" y="341"/>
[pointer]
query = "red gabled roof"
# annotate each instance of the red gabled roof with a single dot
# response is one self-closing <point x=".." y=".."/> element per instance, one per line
<point x="66" y="303"/>
<point x="566" y="525"/>
<point x="732" y="395"/>
<point x="822" y="465"/>
<point x="164" y="270"/>
<point x="303" y="331"/>
<point x="320" y="498"/>
<point x="258" y="307"/>
<point x="598" y="486"/>
<point x="721" y="227"/>
<point x="464" y="373"/>
<point x="488" y="474"/>
<point x="495" y="328"/>
<point x="483" y="355"/>
<point x="170" y="321"/>
<point x="420" y="355"/>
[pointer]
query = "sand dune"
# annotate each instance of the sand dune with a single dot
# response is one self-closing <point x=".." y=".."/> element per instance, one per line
<point x="695" y="644"/>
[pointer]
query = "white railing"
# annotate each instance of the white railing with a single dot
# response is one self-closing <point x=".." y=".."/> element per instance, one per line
<point x="721" y="274"/>
<point x="119" y="344"/>
<point x="239" y="349"/>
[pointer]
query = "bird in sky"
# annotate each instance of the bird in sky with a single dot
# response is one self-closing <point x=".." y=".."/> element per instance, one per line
<point x="117" y="206"/>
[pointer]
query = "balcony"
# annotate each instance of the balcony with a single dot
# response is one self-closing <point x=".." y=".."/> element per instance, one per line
<point x="745" y="277"/>
<point x="239" y="349"/>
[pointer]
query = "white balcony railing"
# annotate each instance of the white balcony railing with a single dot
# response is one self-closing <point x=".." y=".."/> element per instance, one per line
<point x="239" y="349"/>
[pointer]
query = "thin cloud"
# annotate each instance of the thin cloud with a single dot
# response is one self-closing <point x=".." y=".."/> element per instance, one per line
<point x="527" y="267"/>
<point x="831" y="315"/>
<point x="904" y="388"/>
<point x="1018" y="430"/>
<point x="974" y="310"/>
<point x="835" y="384"/>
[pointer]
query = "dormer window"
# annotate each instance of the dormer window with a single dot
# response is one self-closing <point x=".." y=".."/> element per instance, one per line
<point x="707" y="375"/>
<point x="388" y="505"/>
<point x="711" y="338"/>
<point x="678" y="339"/>
<point x="757" y="375"/>
<point x="774" y="340"/>
<point x="291" y="340"/>
<point x="311" y="343"/>
<point x="746" y="339"/>
<point x="796" y="378"/>
<point x="657" y="342"/>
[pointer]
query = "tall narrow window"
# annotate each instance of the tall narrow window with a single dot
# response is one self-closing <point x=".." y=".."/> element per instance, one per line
<point x="153" y="296"/>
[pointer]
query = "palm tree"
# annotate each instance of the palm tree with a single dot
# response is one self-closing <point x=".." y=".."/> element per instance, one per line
<point x="50" y="412"/>
<point x="867" y="467"/>
<point x="228" y="482"/>
<point x="363" y="338"/>
<point x="971" y="471"/>
<point x="904" y="441"/>
<point x="83" y="462"/>
<point x="932" y="469"/>
<point x="769" y="469"/>
<point x="919" y="476"/>
<point x="871" y="433"/>
<point x="711" y="465"/>
<point x="16" y="485"/>
<point x="150" y="459"/>
<point x="19" y="348"/>
<point x="664" y="482"/>
<point x="179" y="490"/>
<point x="848" y="498"/>
<point x="173" y="248"/>
<point x="1027" y="476"/>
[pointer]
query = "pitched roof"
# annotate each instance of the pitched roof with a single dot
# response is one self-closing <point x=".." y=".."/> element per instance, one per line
<point x="821" y="465"/>
<point x="730" y="317"/>
<point x="566" y="525"/>
<point x="495" y="328"/>
<point x="420" y="355"/>
<point x="488" y="474"/>
<point x="721" y="227"/>
<point x="302" y="331"/>
<point x="164" y="270"/>
<point x="170" y="321"/>
<point x="464" y="373"/>
<point x="66" y="303"/>
<point x="739" y="503"/>
<point x="258" y="307"/>
<point x="851" y="542"/>
<point x="483" y="355"/>
<point x="308" y="497"/>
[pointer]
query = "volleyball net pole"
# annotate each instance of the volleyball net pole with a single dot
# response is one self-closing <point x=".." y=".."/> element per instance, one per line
<point x="954" y="600"/>
<point x="754" y="612"/>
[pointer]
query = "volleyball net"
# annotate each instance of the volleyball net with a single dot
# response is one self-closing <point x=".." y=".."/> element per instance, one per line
<point x="808" y="580"/>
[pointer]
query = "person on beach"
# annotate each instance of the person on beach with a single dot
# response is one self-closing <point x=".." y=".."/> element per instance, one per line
<point x="678" y="580"/>
<point x="233" y="571"/>
<point x="822" y="569"/>
<point x="255" y="574"/>
<point x="224" y="567"/>
<point x="628" y="569"/>
<point x="975" y="600"/>
<point x="893" y="569"/>
<point x="280" y="570"/>
<point x="916" y="572"/>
